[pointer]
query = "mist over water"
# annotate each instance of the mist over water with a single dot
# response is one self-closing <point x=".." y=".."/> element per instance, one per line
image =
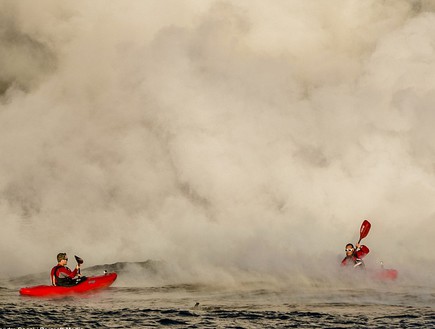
<point x="226" y="138"/>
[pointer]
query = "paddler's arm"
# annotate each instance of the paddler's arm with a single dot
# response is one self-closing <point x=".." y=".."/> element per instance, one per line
<point x="66" y="272"/>
<point x="361" y="250"/>
<point x="78" y="270"/>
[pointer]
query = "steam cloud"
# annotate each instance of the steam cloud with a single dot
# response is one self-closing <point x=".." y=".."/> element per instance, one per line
<point x="219" y="136"/>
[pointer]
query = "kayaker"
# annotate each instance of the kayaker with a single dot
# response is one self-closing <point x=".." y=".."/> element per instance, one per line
<point x="354" y="255"/>
<point x="61" y="275"/>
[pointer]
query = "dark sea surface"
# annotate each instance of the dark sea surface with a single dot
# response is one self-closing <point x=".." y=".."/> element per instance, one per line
<point x="251" y="305"/>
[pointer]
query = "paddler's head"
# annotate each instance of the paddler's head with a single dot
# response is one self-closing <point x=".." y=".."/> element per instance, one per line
<point x="62" y="258"/>
<point x="349" y="249"/>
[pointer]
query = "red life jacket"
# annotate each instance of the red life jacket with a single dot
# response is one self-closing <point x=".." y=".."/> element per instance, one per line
<point x="58" y="281"/>
<point x="356" y="258"/>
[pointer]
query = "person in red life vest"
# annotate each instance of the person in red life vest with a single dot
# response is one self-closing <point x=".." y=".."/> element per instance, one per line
<point x="61" y="275"/>
<point x="354" y="256"/>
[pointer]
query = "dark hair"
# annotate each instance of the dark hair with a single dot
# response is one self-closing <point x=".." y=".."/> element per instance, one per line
<point x="61" y="256"/>
<point x="350" y="244"/>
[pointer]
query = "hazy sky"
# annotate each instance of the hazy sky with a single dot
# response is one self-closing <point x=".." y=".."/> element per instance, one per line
<point x="219" y="136"/>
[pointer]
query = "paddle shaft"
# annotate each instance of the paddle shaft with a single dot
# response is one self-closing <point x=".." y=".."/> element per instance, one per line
<point x="79" y="262"/>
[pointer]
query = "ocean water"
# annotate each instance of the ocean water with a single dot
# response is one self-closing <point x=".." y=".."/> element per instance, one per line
<point x="249" y="305"/>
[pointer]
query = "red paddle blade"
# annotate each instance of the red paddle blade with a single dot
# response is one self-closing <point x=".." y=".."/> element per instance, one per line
<point x="365" y="228"/>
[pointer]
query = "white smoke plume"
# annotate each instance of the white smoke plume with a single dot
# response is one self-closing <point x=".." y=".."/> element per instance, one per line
<point x="218" y="136"/>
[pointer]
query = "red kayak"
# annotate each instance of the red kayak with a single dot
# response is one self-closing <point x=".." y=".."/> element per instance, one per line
<point x="380" y="275"/>
<point x="89" y="284"/>
<point x="385" y="275"/>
